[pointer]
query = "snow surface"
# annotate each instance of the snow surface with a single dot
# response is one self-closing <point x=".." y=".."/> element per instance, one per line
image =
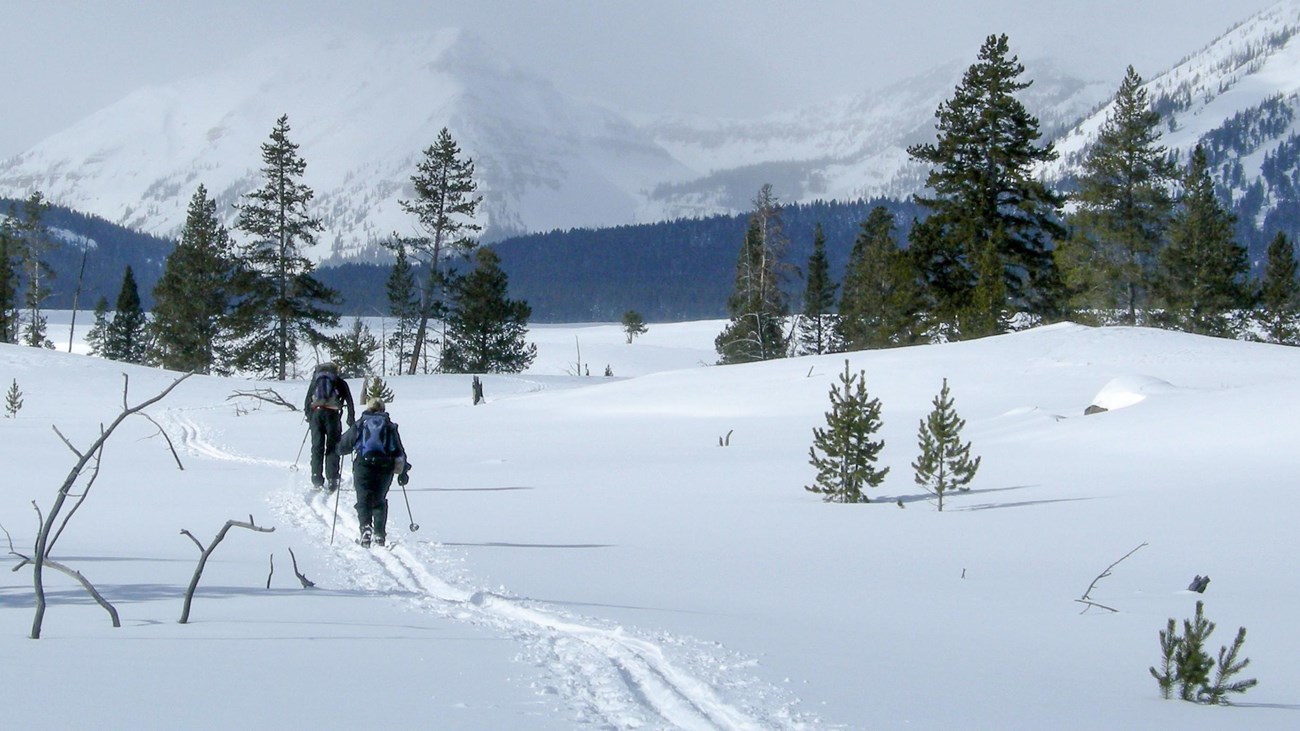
<point x="589" y="556"/>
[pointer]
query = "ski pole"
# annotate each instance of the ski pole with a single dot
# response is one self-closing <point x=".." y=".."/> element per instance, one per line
<point x="300" y="447"/>
<point x="414" y="526"/>
<point x="335" y="524"/>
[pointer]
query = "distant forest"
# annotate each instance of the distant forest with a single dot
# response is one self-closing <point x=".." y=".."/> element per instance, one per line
<point x="670" y="271"/>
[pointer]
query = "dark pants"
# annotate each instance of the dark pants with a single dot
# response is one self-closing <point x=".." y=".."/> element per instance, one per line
<point x="372" y="480"/>
<point x="326" y="428"/>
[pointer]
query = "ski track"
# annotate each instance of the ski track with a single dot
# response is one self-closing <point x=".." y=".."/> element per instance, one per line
<point x="613" y="676"/>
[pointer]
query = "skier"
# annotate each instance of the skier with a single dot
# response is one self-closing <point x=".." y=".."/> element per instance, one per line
<point x="327" y="394"/>
<point x="379" y="455"/>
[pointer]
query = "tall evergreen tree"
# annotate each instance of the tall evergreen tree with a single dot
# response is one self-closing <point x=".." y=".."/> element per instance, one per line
<point x="9" y="267"/>
<point x="817" y="331"/>
<point x="757" y="304"/>
<point x="34" y="244"/>
<point x="944" y="462"/>
<point x="98" y="328"/>
<point x="1279" y="293"/>
<point x="126" y="335"/>
<point x="880" y="302"/>
<point x="194" y="297"/>
<point x="843" y="452"/>
<point x="403" y="305"/>
<point x="485" y="329"/>
<point x="444" y="206"/>
<point x="281" y="303"/>
<point x="353" y="351"/>
<point x="1202" y="278"/>
<point x="1124" y="212"/>
<point x="982" y="181"/>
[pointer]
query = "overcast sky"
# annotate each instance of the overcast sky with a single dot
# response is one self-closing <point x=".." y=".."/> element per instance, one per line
<point x="64" y="59"/>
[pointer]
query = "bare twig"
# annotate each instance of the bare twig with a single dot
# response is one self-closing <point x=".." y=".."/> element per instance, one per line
<point x="264" y="394"/>
<point x="85" y="492"/>
<point x="85" y="583"/>
<point x="306" y="582"/>
<point x="170" y="446"/>
<point x="203" y="559"/>
<point x="1087" y="600"/>
<point x="47" y="523"/>
<point x="271" y="573"/>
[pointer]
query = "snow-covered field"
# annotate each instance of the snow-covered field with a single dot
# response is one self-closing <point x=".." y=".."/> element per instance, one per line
<point x="589" y="556"/>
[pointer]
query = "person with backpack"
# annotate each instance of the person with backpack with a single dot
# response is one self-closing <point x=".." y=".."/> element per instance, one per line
<point x="327" y="395"/>
<point x="378" y="455"/>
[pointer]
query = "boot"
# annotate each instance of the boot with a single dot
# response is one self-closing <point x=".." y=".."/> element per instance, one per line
<point x="365" y="537"/>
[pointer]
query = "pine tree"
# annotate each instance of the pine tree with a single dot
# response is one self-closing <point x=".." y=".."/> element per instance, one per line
<point x="1279" y="293"/>
<point x="1201" y="282"/>
<point x="485" y="329"/>
<point x="880" y="303"/>
<point x="376" y="388"/>
<point x="848" y="453"/>
<point x="817" y="331"/>
<point x="987" y="313"/>
<point x="13" y="400"/>
<point x="193" y="299"/>
<point x="354" y="350"/>
<point x="280" y="303"/>
<point x="99" y="328"/>
<point x="633" y="325"/>
<point x="403" y="304"/>
<point x="944" y="462"/>
<point x="9" y="268"/>
<point x="444" y="206"/>
<point x="126" y="334"/>
<point x="983" y="180"/>
<point x="1123" y="214"/>
<point x="34" y="244"/>
<point x="757" y="305"/>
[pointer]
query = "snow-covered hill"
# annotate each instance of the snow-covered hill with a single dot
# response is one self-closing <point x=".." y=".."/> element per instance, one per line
<point x="590" y="557"/>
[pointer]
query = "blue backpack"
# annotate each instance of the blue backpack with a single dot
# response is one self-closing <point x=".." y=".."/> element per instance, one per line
<point x="325" y="391"/>
<point x="376" y="438"/>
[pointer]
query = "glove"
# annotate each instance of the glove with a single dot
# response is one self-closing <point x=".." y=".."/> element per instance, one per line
<point x="403" y="478"/>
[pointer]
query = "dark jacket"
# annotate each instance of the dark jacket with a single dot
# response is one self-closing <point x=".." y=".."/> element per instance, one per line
<point x="344" y="398"/>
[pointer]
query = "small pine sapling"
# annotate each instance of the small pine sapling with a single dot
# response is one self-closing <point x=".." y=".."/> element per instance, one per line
<point x="944" y="463"/>
<point x="1217" y="693"/>
<point x="1184" y="663"/>
<point x="1166" y="675"/>
<point x="374" y="387"/>
<point x="848" y="454"/>
<point x="13" y="401"/>
<point x="1193" y="665"/>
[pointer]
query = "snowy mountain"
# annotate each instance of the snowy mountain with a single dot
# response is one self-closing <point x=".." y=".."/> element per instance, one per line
<point x="1239" y="96"/>
<point x="362" y="110"/>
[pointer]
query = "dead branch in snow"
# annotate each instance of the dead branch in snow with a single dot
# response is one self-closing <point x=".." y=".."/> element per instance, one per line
<point x="268" y="395"/>
<point x="203" y="559"/>
<point x="1087" y="600"/>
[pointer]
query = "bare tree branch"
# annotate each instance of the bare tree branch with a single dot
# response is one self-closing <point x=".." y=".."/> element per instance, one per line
<point x="264" y="394"/>
<point x="170" y="446"/>
<point x="99" y="459"/>
<point x="203" y="560"/>
<point x="272" y="572"/>
<point x="43" y="536"/>
<point x="306" y="582"/>
<point x="1087" y="600"/>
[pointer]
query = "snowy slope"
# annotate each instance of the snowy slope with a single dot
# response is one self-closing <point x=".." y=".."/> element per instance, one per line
<point x="590" y="557"/>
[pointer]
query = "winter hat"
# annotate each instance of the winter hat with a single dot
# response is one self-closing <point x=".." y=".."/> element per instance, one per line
<point x="376" y="405"/>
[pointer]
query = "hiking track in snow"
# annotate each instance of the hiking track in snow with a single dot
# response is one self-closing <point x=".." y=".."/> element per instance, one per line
<point x="609" y="675"/>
